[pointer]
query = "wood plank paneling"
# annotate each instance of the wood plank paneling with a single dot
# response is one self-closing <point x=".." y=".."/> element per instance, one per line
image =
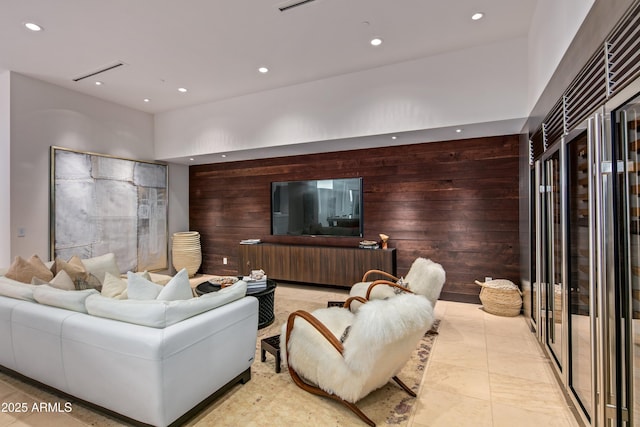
<point x="455" y="202"/>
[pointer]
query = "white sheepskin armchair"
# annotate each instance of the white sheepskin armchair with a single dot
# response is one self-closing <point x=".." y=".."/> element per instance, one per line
<point x="359" y="352"/>
<point x="425" y="277"/>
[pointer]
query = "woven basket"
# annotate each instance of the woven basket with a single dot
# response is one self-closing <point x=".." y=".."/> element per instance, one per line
<point x="500" y="297"/>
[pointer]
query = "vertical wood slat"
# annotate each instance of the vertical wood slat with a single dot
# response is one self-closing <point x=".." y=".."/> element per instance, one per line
<point x="455" y="202"/>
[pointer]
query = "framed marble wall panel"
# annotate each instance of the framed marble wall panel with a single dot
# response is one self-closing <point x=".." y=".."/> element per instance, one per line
<point x="101" y="204"/>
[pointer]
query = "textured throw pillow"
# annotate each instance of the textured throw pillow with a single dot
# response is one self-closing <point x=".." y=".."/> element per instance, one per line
<point x="17" y="290"/>
<point x="24" y="270"/>
<point x="178" y="288"/>
<point x="139" y="288"/>
<point x="100" y="265"/>
<point x="114" y="287"/>
<point x="78" y="273"/>
<point x="70" y="300"/>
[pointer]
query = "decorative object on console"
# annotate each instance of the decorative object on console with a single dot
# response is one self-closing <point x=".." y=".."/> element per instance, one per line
<point x="186" y="251"/>
<point x="369" y="244"/>
<point x="101" y="203"/>
<point x="384" y="239"/>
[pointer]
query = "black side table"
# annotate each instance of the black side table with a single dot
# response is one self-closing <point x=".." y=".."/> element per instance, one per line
<point x="266" y="299"/>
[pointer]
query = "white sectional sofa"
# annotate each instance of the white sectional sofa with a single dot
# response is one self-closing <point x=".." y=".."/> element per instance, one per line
<point x="153" y="375"/>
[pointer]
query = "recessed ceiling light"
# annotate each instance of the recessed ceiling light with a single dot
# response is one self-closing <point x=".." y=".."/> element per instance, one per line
<point x="458" y="130"/>
<point x="394" y="137"/>
<point x="33" y="27"/>
<point x="181" y="89"/>
<point x="376" y="42"/>
<point x="223" y="156"/>
<point x="263" y="70"/>
<point x="146" y="100"/>
<point x="477" y="15"/>
<point x="191" y="159"/>
<point x="98" y="83"/>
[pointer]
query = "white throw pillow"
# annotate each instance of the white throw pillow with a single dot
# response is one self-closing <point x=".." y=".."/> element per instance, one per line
<point x="114" y="287"/>
<point x="100" y="265"/>
<point x="14" y="289"/>
<point x="160" y="314"/>
<point x="70" y="300"/>
<point x="178" y="288"/>
<point x="139" y="288"/>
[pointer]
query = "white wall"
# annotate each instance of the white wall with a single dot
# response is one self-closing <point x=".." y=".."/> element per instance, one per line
<point x="553" y="27"/>
<point x="5" y="170"/>
<point x="484" y="84"/>
<point x="43" y="115"/>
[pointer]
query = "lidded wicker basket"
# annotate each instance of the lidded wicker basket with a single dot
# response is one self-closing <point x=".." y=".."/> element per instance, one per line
<point x="500" y="297"/>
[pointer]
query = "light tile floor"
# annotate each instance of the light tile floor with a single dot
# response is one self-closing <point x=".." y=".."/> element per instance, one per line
<point x="484" y="370"/>
<point x="487" y="370"/>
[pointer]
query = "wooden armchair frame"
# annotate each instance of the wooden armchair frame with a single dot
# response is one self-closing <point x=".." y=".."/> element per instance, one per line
<point x="335" y="342"/>
<point x="380" y="272"/>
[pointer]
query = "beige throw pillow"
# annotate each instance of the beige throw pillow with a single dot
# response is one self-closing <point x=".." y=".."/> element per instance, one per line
<point x="61" y="281"/>
<point x="25" y="270"/>
<point x="102" y="264"/>
<point x="114" y="287"/>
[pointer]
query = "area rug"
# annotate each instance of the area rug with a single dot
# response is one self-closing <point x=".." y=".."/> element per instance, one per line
<point x="273" y="399"/>
<point x="268" y="399"/>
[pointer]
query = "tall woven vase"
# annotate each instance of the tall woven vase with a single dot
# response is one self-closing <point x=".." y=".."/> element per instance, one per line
<point x="186" y="251"/>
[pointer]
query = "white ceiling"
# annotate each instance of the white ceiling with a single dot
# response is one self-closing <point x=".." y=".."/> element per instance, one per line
<point x="213" y="47"/>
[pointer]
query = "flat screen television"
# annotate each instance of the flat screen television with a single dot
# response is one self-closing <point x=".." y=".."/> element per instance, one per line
<point x="328" y="207"/>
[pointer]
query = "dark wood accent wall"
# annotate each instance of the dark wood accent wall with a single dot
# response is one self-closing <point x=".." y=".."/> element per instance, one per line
<point x="455" y="202"/>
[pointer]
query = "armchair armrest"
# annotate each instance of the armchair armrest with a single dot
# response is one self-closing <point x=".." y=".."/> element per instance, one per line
<point x="347" y="303"/>
<point x="319" y="326"/>
<point x="380" y="272"/>
<point x="387" y="283"/>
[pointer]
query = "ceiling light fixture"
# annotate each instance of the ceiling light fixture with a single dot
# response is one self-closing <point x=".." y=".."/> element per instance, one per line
<point x="33" y="27"/>
<point x="223" y="156"/>
<point x="146" y="100"/>
<point x="394" y="137"/>
<point x="181" y="89"/>
<point x="191" y="159"/>
<point x="263" y="70"/>
<point x="98" y="83"/>
<point x="376" y="41"/>
<point x="458" y="130"/>
<point x="477" y="15"/>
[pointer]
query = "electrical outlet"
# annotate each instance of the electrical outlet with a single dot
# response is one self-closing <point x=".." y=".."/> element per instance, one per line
<point x="488" y="279"/>
<point x="224" y="260"/>
<point x="21" y="231"/>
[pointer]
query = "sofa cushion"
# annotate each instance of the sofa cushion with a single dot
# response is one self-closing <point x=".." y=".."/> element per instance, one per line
<point x="70" y="300"/>
<point x="100" y="265"/>
<point x="24" y="270"/>
<point x="178" y="288"/>
<point x="14" y="289"/>
<point x="139" y="288"/>
<point x="159" y="314"/>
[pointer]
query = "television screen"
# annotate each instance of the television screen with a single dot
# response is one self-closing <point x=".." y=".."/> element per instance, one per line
<point x="329" y="207"/>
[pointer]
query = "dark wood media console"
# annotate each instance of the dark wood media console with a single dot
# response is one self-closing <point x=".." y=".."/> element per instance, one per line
<point x="321" y="265"/>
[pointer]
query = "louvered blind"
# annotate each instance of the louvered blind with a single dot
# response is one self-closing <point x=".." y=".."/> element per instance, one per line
<point x="588" y="91"/>
<point x="623" y="47"/>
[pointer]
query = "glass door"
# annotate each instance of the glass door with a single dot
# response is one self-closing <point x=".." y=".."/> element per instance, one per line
<point x="579" y="274"/>
<point x="551" y="225"/>
<point x="625" y="288"/>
